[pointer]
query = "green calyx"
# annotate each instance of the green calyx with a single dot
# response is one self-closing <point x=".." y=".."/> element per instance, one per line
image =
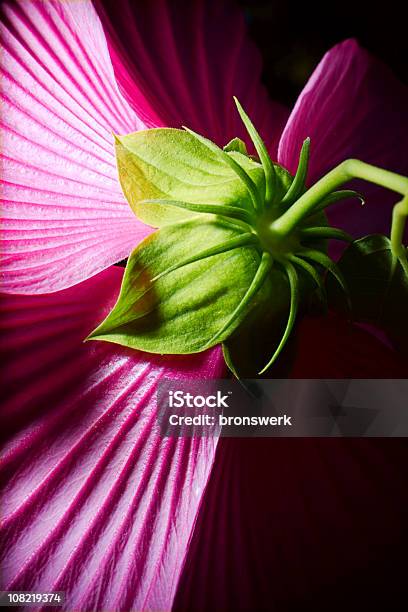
<point x="231" y="241"/>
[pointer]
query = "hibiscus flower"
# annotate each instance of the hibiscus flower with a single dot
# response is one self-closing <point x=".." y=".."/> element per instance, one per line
<point x="96" y="503"/>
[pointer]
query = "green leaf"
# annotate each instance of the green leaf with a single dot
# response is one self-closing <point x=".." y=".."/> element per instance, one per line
<point x="378" y="287"/>
<point x="236" y="144"/>
<point x="262" y="272"/>
<point x="237" y="168"/>
<point x="244" y="239"/>
<point x="170" y="164"/>
<point x="180" y="311"/>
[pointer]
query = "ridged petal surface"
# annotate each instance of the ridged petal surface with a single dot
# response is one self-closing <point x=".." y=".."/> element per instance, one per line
<point x="352" y="106"/>
<point x="182" y="62"/>
<point x="95" y="502"/>
<point x="64" y="216"/>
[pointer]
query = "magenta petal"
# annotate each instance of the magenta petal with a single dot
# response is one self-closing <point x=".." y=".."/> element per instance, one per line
<point x="96" y="503"/>
<point x="352" y="106"/>
<point x="180" y="63"/>
<point x="64" y="216"/>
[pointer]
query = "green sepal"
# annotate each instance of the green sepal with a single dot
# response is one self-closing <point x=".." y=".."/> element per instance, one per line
<point x="325" y="232"/>
<point x="171" y="164"/>
<point x="234" y="212"/>
<point x="294" y="303"/>
<point x="299" y="182"/>
<point x="236" y="144"/>
<point x="378" y="287"/>
<point x="249" y="347"/>
<point x="269" y="170"/>
<point x="325" y="262"/>
<point x="282" y="184"/>
<point x="312" y="273"/>
<point x="181" y="311"/>
<point x="260" y="277"/>
<point x="236" y="167"/>
<point x="337" y="196"/>
<point x="245" y="239"/>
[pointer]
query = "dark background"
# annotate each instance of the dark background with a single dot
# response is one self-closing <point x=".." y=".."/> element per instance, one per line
<point x="293" y="37"/>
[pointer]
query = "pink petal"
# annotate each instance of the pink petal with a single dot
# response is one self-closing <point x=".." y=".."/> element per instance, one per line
<point x="96" y="503"/>
<point x="181" y="63"/>
<point x="65" y="217"/>
<point x="352" y="106"/>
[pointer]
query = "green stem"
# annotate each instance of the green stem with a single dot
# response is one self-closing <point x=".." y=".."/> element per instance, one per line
<point x="399" y="217"/>
<point x="344" y="172"/>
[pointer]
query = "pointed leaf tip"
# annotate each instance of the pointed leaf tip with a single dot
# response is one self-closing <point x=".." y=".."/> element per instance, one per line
<point x="299" y="181"/>
<point x="269" y="170"/>
<point x="337" y="196"/>
<point x="236" y="144"/>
